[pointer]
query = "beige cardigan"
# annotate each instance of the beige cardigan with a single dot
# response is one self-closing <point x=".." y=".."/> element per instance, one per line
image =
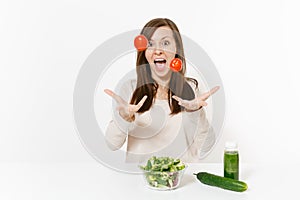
<point x="186" y="135"/>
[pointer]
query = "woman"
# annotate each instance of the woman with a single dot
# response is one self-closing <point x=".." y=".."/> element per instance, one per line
<point x="161" y="113"/>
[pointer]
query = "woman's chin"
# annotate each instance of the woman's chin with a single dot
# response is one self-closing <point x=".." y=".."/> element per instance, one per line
<point x="162" y="73"/>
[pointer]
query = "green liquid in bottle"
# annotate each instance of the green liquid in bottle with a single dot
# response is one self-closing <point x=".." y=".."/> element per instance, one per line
<point x="231" y="164"/>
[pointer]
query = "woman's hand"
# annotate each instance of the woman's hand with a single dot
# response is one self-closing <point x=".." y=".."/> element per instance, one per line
<point x="197" y="103"/>
<point x="125" y="109"/>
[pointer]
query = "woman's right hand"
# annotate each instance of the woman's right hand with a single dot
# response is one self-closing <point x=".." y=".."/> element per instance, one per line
<point x="127" y="111"/>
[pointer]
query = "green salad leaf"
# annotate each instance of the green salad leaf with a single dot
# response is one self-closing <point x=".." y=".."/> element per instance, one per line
<point x="163" y="171"/>
<point x="163" y="164"/>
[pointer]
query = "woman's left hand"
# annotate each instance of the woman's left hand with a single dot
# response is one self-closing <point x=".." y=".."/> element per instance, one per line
<point x="197" y="103"/>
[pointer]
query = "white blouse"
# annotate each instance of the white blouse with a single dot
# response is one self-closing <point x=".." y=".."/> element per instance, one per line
<point x="186" y="135"/>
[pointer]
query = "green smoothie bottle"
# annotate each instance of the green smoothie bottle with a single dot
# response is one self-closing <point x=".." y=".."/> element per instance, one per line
<point x="231" y="161"/>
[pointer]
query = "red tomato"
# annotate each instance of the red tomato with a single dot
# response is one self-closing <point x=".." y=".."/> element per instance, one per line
<point x="176" y="65"/>
<point x="140" y="42"/>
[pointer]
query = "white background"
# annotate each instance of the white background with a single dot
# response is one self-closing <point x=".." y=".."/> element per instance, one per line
<point x="254" y="45"/>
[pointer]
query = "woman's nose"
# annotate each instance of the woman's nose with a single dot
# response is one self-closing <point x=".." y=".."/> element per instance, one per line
<point x="158" y="51"/>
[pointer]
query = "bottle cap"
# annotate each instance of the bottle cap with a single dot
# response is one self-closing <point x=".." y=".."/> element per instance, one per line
<point x="231" y="145"/>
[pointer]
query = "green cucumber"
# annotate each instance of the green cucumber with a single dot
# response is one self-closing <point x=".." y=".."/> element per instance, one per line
<point x="221" y="182"/>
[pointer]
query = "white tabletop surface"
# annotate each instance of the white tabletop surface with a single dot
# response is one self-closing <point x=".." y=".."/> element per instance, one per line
<point x="94" y="181"/>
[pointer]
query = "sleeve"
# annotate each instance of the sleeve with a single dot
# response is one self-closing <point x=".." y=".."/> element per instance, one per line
<point x="199" y="134"/>
<point x="117" y="129"/>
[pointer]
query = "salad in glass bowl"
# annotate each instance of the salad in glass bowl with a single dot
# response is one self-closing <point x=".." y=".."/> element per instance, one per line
<point x="163" y="173"/>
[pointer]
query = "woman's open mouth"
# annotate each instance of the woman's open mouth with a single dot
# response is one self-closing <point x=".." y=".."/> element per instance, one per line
<point x="160" y="64"/>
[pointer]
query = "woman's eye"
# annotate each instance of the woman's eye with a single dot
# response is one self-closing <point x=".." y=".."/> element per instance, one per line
<point x="166" y="43"/>
<point x="150" y="44"/>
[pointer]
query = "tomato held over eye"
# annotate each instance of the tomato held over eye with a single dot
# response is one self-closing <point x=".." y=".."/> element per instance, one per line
<point x="176" y="64"/>
<point x="140" y="42"/>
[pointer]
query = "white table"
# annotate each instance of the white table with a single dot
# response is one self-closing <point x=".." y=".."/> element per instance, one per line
<point x="71" y="181"/>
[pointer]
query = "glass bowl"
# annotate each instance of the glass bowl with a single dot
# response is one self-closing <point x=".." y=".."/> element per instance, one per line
<point x="163" y="180"/>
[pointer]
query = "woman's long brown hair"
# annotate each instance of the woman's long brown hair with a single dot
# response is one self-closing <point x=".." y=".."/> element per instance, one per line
<point x="178" y="84"/>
